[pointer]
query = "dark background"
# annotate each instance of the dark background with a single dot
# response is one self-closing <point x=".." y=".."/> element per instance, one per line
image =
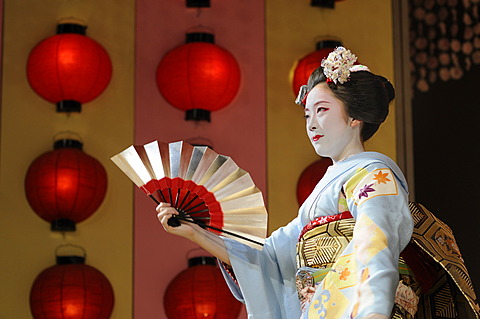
<point x="446" y="123"/>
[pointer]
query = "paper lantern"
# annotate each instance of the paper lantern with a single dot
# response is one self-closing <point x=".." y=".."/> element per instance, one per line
<point x="198" y="77"/>
<point x="199" y="292"/>
<point x="310" y="178"/>
<point x="306" y="65"/>
<point x="65" y="186"/>
<point x="69" y="68"/>
<point x="71" y="290"/>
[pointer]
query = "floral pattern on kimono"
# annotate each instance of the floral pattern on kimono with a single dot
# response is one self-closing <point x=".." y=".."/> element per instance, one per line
<point x="372" y="195"/>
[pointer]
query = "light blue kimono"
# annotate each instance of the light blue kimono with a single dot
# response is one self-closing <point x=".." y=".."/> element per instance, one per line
<point x="376" y="195"/>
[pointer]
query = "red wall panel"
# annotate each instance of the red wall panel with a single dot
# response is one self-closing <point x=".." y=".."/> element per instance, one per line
<point x="238" y="130"/>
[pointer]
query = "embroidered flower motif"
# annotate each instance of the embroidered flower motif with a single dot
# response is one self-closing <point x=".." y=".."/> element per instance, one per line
<point x="381" y="178"/>
<point x="306" y="295"/>
<point x="336" y="66"/>
<point x="363" y="277"/>
<point x="453" y="246"/>
<point x="344" y="274"/>
<point x="365" y="190"/>
<point x="440" y="240"/>
<point x="448" y="244"/>
<point x="406" y="298"/>
<point x="319" y="308"/>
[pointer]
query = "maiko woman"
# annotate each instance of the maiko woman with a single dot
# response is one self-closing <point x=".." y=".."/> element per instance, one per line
<point x="340" y="257"/>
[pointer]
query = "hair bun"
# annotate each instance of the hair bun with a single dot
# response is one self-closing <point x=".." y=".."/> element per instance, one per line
<point x="389" y="89"/>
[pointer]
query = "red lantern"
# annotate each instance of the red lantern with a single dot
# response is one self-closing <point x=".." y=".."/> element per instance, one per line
<point x="310" y="178"/>
<point x="65" y="186"/>
<point x="200" y="292"/>
<point x="71" y="290"/>
<point x="310" y="62"/>
<point x="198" y="77"/>
<point x="69" y="68"/>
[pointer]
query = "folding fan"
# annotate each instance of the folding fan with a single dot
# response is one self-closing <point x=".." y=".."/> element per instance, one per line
<point x="206" y="188"/>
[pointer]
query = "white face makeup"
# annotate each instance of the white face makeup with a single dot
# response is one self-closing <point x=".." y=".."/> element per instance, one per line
<point x="330" y="130"/>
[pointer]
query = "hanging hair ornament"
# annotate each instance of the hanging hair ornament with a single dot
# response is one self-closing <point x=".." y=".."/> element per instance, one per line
<point x="302" y="96"/>
<point x="336" y="66"/>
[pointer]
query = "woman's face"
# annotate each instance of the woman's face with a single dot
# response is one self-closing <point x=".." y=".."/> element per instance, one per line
<point x="330" y="130"/>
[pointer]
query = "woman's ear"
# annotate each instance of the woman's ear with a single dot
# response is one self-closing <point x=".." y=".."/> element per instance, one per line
<point x="355" y="122"/>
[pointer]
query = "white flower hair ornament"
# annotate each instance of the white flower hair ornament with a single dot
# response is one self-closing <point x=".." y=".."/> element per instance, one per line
<point x="337" y="67"/>
<point x="339" y="64"/>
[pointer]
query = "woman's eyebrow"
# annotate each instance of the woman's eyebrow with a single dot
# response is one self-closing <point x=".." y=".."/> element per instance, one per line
<point x="321" y="102"/>
<point x="317" y="103"/>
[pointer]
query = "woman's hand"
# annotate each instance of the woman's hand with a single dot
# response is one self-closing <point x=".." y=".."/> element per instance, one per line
<point x="165" y="212"/>
<point x="208" y="241"/>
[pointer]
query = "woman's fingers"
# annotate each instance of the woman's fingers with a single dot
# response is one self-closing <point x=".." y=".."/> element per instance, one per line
<point x="164" y="212"/>
<point x="162" y="205"/>
<point x="165" y="209"/>
<point x="193" y="232"/>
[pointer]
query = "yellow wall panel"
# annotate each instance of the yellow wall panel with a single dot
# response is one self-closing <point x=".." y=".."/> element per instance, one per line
<point x="28" y="126"/>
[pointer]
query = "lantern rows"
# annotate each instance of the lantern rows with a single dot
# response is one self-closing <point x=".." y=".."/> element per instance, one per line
<point x="65" y="186"/>
<point x="199" y="77"/>
<point x="70" y="69"/>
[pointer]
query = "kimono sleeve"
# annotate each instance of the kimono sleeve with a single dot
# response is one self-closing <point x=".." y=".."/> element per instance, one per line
<point x="383" y="228"/>
<point x="265" y="279"/>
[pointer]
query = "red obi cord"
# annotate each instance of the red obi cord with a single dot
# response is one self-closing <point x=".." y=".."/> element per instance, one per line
<point x="324" y="220"/>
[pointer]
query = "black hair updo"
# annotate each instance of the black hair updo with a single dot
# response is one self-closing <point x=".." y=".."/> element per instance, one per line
<point x="366" y="97"/>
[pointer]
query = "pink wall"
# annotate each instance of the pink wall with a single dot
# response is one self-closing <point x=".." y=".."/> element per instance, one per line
<point x="239" y="130"/>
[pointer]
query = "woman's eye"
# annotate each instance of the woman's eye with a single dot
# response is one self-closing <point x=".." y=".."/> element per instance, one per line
<point x="306" y="116"/>
<point x="322" y="109"/>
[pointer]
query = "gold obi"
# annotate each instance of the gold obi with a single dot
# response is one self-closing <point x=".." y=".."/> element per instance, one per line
<point x="321" y="246"/>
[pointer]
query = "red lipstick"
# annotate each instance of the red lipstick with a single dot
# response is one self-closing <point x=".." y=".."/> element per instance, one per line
<point x="317" y="137"/>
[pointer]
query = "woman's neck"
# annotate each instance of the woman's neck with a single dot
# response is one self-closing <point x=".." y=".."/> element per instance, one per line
<point x="348" y="152"/>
